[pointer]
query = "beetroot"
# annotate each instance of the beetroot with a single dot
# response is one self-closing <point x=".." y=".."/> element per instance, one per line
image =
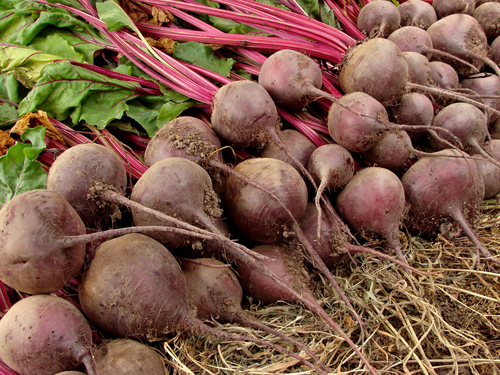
<point x="488" y="87"/>
<point x="285" y="262"/>
<point x="413" y="109"/>
<point x="359" y="121"/>
<point x="375" y="55"/>
<point x="31" y="224"/>
<point x="462" y="36"/>
<point x="291" y="78"/>
<point x="184" y="136"/>
<point x="244" y="114"/>
<point x="489" y="171"/>
<point x="412" y="38"/>
<point x="488" y="16"/>
<point x="378" y="19"/>
<point x="465" y="121"/>
<point x="330" y="244"/>
<point x="379" y="208"/>
<point x="216" y="293"/>
<point x="122" y="356"/>
<point x="355" y="122"/>
<point x="419" y="70"/>
<point x="45" y="334"/>
<point x="296" y="142"/>
<point x="256" y="216"/>
<point x="495" y="51"/>
<point x="392" y="151"/>
<point x="441" y="191"/>
<point x="332" y="166"/>
<point x="446" y="7"/>
<point x="165" y="186"/>
<point x="417" y="13"/>
<point x="443" y="75"/>
<point x="81" y="167"/>
<point x="135" y="288"/>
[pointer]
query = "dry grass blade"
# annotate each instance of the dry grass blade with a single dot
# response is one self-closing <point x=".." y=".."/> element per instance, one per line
<point x="447" y="323"/>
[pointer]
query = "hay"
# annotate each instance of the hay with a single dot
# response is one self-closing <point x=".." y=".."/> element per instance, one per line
<point x="448" y="323"/>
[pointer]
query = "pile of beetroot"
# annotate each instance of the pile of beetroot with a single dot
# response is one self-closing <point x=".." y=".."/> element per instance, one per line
<point x="234" y="200"/>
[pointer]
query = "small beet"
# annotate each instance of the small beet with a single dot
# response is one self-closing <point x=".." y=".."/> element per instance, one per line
<point x="419" y="70"/>
<point x="79" y="168"/>
<point x="487" y="86"/>
<point x="379" y="209"/>
<point x="180" y="188"/>
<point x="296" y="142"/>
<point x="379" y="19"/>
<point x="417" y="13"/>
<point x="256" y="215"/>
<point x="488" y="16"/>
<point x="466" y="122"/>
<point x="291" y="78"/>
<point x="413" y="109"/>
<point x="122" y="356"/>
<point x="446" y="7"/>
<point x="489" y="171"/>
<point x="184" y="136"/>
<point x="392" y="151"/>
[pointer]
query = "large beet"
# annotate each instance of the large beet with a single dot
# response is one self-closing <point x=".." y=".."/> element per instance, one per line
<point x="376" y="55"/>
<point x="180" y="188"/>
<point x="462" y="36"/>
<point x="31" y="224"/>
<point x="442" y="191"/>
<point x="44" y="335"/>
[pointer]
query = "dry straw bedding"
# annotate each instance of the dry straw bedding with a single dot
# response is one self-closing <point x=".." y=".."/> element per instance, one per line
<point x="447" y="323"/>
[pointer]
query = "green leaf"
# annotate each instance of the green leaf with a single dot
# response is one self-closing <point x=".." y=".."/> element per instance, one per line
<point x="202" y="55"/>
<point x="232" y="27"/>
<point x="73" y="3"/>
<point x="8" y="114"/>
<point x="152" y="112"/>
<point x="65" y="90"/>
<point x="65" y="44"/>
<point x="19" y="169"/>
<point x="30" y="20"/>
<point x="27" y="63"/>
<point x="114" y="16"/>
<point x="145" y="112"/>
<point x="9" y="87"/>
<point x="328" y="17"/>
<point x="311" y="7"/>
<point x="276" y="4"/>
<point x="170" y="111"/>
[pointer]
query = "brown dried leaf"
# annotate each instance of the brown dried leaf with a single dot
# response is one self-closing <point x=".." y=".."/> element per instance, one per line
<point x="160" y="16"/>
<point x="165" y="44"/>
<point x="6" y="141"/>
<point x="32" y="120"/>
<point x="136" y="13"/>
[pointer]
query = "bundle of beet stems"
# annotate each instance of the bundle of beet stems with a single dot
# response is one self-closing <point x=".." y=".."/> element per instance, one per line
<point x="413" y="323"/>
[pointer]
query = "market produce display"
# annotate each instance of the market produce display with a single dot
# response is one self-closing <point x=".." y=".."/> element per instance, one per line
<point x="249" y="187"/>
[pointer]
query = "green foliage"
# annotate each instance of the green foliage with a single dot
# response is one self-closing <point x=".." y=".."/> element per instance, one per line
<point x="19" y="169"/>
